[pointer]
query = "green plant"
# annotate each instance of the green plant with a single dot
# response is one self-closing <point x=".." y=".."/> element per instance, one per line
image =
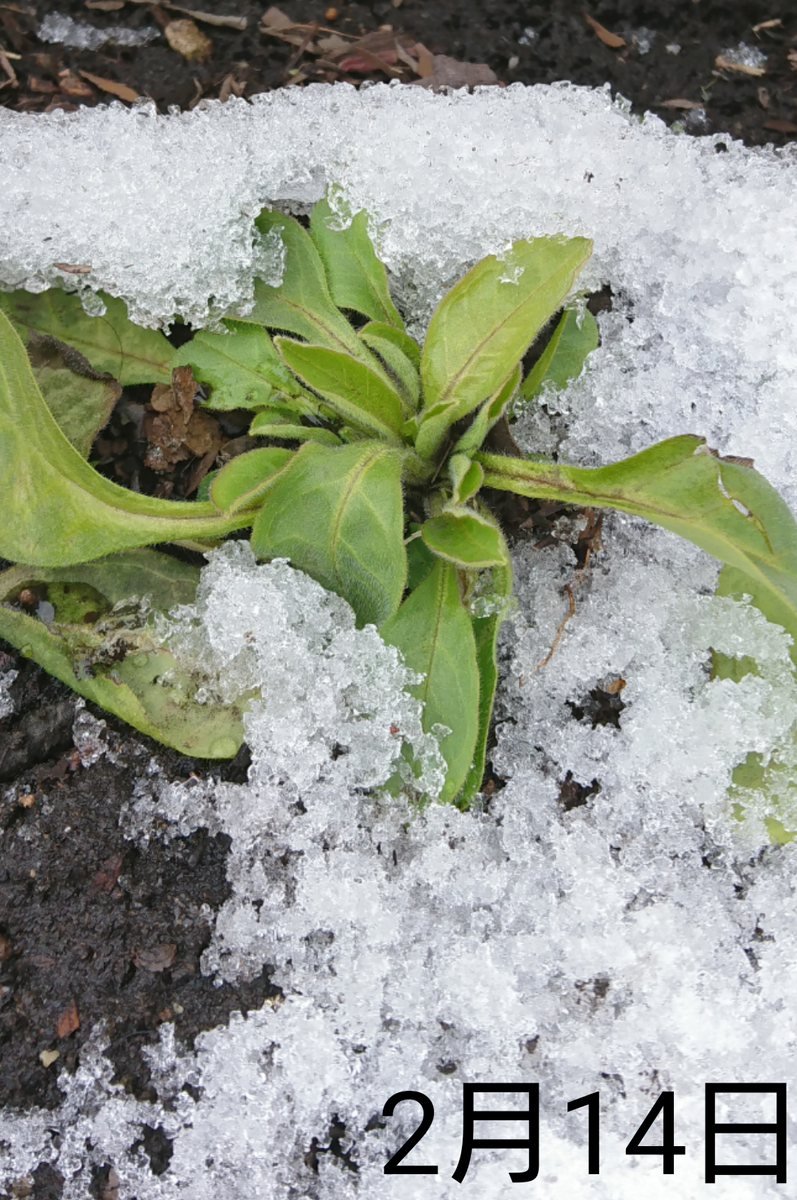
<point x="376" y="453"/>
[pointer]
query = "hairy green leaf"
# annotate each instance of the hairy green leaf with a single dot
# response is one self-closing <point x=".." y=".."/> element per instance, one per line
<point x="356" y="277"/>
<point x="355" y="392"/>
<point x="58" y="510"/>
<point x="398" y="337"/>
<point x="435" y="635"/>
<point x="302" y="304"/>
<point x="486" y="322"/>
<point x="242" y="367"/>
<point x="464" y="538"/>
<point x="466" y="478"/>
<point x="565" y="354"/>
<point x="111" y="658"/>
<point x="270" y="424"/>
<point x="337" y="513"/>
<point x="723" y="506"/>
<point x="241" y="483"/>
<point x="111" y="343"/>
<point x="396" y="359"/>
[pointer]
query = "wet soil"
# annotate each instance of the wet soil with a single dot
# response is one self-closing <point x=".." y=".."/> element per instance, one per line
<point x="93" y="926"/>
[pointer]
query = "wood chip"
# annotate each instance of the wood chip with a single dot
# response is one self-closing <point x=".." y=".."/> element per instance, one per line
<point x="781" y="126"/>
<point x="792" y="59"/>
<point x="68" y="1021"/>
<point x="678" y="103"/>
<point x="767" y="24"/>
<point x="41" y="85"/>
<point x="106" y="5"/>
<point x="275" y="18"/>
<point x="28" y="800"/>
<point x="73" y="268"/>
<point x="331" y="14"/>
<point x="230" y="86"/>
<point x="609" y="39"/>
<point x="120" y="90"/>
<point x="73" y="85"/>
<point x="48" y="1057"/>
<point x="207" y="18"/>
<point x="12" y="80"/>
<point x="187" y="39"/>
<point x="157" y="958"/>
<point x="425" y="60"/>
<point x="724" y="64"/>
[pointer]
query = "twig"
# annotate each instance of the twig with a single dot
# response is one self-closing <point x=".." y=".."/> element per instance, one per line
<point x="561" y="628"/>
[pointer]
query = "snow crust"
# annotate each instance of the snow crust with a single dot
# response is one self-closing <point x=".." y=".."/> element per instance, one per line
<point x="639" y="941"/>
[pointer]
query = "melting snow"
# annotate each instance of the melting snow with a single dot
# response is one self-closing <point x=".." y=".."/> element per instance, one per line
<point x="641" y="940"/>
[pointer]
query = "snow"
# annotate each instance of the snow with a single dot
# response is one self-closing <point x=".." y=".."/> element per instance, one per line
<point x="641" y="941"/>
<point x="59" y="28"/>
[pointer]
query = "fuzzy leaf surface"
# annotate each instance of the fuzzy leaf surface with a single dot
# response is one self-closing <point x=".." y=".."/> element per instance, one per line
<point x="465" y="539"/>
<point x="435" y="635"/>
<point x="337" y="514"/>
<point x="111" y="343"/>
<point x="58" y="510"/>
<point x="722" y="506"/>
<point x="484" y="325"/>
<point x="359" y="396"/>
<point x="302" y="304"/>
<point x="241" y="367"/>
<point x="564" y="356"/>
<point x="357" y="278"/>
<point x="400" y="365"/>
<point x="488" y="415"/>
<point x="270" y="424"/>
<point x="244" y="479"/>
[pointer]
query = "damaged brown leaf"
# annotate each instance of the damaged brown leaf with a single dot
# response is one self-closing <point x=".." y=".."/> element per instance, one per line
<point x="175" y="429"/>
<point x="68" y="1022"/>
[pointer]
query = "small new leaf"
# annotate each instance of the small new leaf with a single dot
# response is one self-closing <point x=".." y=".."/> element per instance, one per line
<point x="465" y="539"/>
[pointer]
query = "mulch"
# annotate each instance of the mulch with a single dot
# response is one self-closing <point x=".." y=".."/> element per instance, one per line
<point x="92" y="927"/>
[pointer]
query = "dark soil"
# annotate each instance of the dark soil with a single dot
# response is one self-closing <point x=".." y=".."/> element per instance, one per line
<point x="92" y="927"/>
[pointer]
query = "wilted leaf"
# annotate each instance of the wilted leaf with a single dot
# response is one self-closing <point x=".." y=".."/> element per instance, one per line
<point x="68" y="1021"/>
<point x="450" y="72"/>
<point x="156" y="958"/>
<point x="175" y="429"/>
<point x="111" y="658"/>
